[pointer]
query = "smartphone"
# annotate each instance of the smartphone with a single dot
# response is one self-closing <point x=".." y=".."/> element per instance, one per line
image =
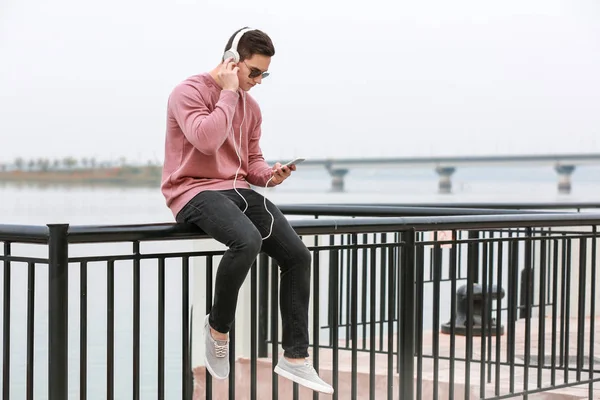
<point x="295" y="161"/>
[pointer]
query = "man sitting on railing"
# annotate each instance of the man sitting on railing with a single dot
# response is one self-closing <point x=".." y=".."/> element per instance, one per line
<point x="212" y="156"/>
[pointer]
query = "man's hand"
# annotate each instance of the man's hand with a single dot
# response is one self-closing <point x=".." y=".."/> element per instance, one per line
<point x="281" y="172"/>
<point x="228" y="75"/>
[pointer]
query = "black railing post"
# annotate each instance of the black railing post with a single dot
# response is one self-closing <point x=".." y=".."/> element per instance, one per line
<point x="406" y="328"/>
<point x="473" y="255"/>
<point x="527" y="278"/>
<point x="263" y="304"/>
<point x="58" y="336"/>
<point x="333" y="291"/>
<point x="6" y="325"/>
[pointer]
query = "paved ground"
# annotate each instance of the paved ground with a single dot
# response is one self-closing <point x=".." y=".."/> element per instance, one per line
<point x="429" y="382"/>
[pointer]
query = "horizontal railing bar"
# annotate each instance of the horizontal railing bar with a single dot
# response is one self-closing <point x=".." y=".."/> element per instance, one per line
<point x="209" y="253"/>
<point x="130" y="233"/>
<point x="378" y="210"/>
<point x="547" y="236"/>
<point x="125" y="257"/>
<point x="523" y="230"/>
<point x="479" y="222"/>
<point x="149" y="256"/>
<point x="24" y="259"/>
<point x="397" y="224"/>
<point x="502" y="205"/>
<point x="24" y="233"/>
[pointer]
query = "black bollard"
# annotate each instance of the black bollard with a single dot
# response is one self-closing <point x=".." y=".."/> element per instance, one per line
<point x="460" y="323"/>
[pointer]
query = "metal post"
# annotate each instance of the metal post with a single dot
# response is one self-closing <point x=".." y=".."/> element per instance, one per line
<point x="6" y="324"/>
<point x="527" y="278"/>
<point x="407" y="316"/>
<point x="263" y="304"/>
<point x="473" y="255"/>
<point x="58" y="336"/>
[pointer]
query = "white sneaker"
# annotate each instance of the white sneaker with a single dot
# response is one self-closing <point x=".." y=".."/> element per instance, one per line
<point x="303" y="374"/>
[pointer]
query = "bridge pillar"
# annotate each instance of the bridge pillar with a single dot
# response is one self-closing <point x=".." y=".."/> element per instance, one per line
<point x="445" y="183"/>
<point x="564" y="177"/>
<point x="337" y="178"/>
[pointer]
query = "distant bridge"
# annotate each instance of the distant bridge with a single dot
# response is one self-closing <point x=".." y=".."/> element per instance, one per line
<point x="563" y="164"/>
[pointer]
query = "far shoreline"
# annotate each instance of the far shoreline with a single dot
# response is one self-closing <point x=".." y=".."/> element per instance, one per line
<point x="148" y="176"/>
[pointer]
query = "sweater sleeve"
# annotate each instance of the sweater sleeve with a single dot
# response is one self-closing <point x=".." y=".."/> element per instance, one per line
<point x="259" y="172"/>
<point x="205" y="130"/>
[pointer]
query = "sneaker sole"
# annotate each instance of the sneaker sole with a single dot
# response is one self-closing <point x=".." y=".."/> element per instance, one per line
<point x="302" y="381"/>
<point x="212" y="373"/>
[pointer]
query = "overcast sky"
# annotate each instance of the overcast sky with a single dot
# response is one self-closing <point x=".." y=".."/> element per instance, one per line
<point x="350" y="78"/>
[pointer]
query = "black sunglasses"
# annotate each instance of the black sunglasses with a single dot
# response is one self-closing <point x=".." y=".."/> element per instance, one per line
<point x="255" y="72"/>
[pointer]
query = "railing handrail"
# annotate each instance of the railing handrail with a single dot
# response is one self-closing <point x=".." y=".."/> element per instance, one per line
<point x="489" y="206"/>
<point x="371" y="225"/>
<point x="390" y="210"/>
<point x="173" y="231"/>
<point x="24" y="233"/>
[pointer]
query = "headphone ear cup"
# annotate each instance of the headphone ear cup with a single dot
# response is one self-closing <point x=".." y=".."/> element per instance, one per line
<point x="232" y="54"/>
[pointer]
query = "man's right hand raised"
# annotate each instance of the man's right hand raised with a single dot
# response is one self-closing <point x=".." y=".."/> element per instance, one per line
<point x="228" y="75"/>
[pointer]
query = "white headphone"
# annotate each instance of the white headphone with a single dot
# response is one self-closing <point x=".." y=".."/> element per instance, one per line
<point x="232" y="52"/>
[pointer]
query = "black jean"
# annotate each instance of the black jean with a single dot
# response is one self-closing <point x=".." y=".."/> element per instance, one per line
<point x="220" y="215"/>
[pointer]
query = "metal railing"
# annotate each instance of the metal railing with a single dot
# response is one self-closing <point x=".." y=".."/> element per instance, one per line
<point x="385" y="284"/>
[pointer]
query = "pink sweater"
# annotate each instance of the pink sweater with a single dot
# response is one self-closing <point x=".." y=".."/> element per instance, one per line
<point x="202" y="121"/>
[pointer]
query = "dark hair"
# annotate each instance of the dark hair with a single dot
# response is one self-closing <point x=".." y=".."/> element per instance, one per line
<point x="253" y="42"/>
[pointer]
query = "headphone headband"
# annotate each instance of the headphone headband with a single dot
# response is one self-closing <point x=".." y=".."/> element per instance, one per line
<point x="232" y="52"/>
<point x="238" y="37"/>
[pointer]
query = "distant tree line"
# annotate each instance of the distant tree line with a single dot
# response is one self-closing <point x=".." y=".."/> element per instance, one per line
<point x="66" y="163"/>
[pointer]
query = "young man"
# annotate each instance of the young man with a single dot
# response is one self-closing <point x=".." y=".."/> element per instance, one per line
<point x="212" y="156"/>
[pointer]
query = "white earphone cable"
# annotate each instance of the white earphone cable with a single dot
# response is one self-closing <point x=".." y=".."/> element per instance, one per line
<point x="238" y="152"/>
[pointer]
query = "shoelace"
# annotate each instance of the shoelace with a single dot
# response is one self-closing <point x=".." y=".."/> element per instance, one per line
<point x="308" y="365"/>
<point x="220" y="349"/>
